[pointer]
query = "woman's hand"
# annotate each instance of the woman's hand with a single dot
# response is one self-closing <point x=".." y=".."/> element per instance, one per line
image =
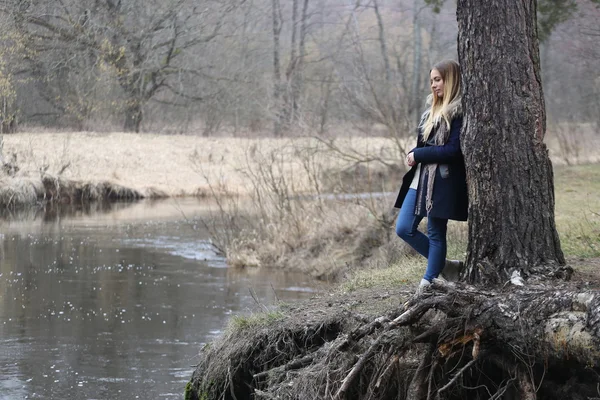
<point x="410" y="159"/>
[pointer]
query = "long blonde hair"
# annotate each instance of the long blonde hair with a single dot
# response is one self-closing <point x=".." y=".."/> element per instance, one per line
<point x="450" y="72"/>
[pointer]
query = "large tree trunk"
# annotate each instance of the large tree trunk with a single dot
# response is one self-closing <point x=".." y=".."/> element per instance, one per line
<point x="511" y="213"/>
<point x="416" y="105"/>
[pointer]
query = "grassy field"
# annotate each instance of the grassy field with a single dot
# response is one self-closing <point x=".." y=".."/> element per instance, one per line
<point x="577" y="191"/>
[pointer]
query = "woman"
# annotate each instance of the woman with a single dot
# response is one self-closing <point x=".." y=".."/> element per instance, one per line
<point x="435" y="187"/>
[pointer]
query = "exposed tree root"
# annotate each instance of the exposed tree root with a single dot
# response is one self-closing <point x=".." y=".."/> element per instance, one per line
<point x="452" y="342"/>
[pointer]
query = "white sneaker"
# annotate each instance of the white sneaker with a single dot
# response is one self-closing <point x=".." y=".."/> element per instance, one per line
<point x="422" y="286"/>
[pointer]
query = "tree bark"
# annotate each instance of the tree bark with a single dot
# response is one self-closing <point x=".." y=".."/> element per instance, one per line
<point x="133" y="117"/>
<point x="511" y="190"/>
<point x="415" y="109"/>
<point x="277" y="89"/>
<point x="1" y="150"/>
<point x="383" y="45"/>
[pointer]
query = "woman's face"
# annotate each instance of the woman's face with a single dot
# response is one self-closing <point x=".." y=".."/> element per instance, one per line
<point x="437" y="83"/>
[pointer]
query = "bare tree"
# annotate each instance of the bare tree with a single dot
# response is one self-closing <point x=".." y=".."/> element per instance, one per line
<point x="179" y="65"/>
<point x="277" y="89"/>
<point x="417" y="63"/>
<point x="141" y="42"/>
<point x="382" y="42"/>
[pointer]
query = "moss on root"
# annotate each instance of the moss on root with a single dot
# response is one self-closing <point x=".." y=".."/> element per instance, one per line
<point x="240" y="323"/>
<point x="187" y="395"/>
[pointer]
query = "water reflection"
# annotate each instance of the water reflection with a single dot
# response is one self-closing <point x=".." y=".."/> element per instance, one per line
<point x="97" y="306"/>
<point x="53" y="211"/>
<point x="106" y="212"/>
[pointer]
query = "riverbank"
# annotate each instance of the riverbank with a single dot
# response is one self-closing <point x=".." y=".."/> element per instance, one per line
<point x="373" y="343"/>
<point x="269" y="195"/>
<point x="354" y="241"/>
<point x="311" y="349"/>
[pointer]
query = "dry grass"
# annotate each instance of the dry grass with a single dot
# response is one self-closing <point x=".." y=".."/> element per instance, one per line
<point x="22" y="190"/>
<point x="173" y="165"/>
<point x="324" y="240"/>
<point x="573" y="144"/>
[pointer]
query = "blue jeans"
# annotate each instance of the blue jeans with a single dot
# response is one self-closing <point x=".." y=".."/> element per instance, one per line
<point x="432" y="246"/>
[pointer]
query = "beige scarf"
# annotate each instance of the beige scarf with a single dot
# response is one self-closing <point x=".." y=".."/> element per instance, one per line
<point x="440" y="137"/>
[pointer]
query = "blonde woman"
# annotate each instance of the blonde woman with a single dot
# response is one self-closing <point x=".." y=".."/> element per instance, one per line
<point x="435" y="187"/>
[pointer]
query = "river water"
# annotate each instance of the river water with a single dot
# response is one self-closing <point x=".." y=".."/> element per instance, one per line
<point x="116" y="302"/>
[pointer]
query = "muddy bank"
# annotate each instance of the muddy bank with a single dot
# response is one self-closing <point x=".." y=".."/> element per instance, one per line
<point x="256" y="349"/>
<point x="449" y="343"/>
<point x="18" y="192"/>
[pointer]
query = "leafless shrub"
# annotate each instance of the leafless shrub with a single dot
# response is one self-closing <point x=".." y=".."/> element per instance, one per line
<point x="288" y="220"/>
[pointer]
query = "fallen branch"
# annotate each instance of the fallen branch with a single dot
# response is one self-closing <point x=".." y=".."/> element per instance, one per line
<point x="411" y="314"/>
<point x="387" y="372"/>
<point x="456" y="376"/>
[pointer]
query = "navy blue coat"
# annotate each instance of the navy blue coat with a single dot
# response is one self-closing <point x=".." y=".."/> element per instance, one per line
<point x="450" y="195"/>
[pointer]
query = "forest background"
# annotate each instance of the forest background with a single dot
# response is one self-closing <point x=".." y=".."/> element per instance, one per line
<point x="259" y="67"/>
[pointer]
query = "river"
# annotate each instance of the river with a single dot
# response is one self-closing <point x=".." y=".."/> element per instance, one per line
<point x="116" y="302"/>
